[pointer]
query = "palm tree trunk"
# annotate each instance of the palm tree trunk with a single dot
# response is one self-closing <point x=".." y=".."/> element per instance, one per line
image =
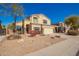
<point x="23" y="26"/>
<point x="14" y="24"/>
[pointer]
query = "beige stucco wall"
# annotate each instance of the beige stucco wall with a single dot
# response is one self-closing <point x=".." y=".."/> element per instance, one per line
<point x="40" y="17"/>
<point x="25" y="22"/>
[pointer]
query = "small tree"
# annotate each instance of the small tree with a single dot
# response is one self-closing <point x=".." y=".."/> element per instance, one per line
<point x="72" y="21"/>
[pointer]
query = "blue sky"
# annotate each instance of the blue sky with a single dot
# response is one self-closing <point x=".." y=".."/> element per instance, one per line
<point x="55" y="11"/>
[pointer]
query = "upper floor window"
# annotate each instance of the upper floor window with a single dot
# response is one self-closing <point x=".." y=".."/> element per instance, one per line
<point x="35" y="19"/>
<point x="44" y="21"/>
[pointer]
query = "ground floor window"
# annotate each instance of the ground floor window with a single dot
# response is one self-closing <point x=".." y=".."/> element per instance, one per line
<point x="37" y="28"/>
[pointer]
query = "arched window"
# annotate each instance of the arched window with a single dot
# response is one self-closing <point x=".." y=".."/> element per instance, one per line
<point x="35" y="19"/>
<point x="44" y="21"/>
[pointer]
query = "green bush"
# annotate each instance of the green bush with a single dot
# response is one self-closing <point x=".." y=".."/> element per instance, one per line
<point x="72" y="32"/>
<point x="75" y="26"/>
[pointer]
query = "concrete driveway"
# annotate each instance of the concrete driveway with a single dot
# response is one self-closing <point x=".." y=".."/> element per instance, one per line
<point x="67" y="47"/>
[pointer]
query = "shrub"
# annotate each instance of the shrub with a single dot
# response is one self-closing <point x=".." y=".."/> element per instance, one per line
<point x="13" y="37"/>
<point x="57" y="36"/>
<point x="72" y="32"/>
<point x="75" y="26"/>
<point x="32" y="33"/>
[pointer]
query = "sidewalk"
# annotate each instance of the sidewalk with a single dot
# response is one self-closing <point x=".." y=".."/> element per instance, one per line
<point x="67" y="47"/>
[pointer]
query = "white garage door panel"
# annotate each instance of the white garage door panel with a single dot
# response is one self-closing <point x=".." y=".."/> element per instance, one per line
<point x="48" y="31"/>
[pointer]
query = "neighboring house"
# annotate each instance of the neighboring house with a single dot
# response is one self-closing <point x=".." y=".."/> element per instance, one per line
<point x="37" y="22"/>
<point x="59" y="28"/>
<point x="55" y="27"/>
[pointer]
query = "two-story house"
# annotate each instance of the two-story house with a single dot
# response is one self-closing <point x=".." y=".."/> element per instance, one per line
<point x="37" y="22"/>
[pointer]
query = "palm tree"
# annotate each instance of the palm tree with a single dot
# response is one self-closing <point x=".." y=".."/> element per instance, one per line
<point x="23" y="16"/>
<point x="15" y="10"/>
